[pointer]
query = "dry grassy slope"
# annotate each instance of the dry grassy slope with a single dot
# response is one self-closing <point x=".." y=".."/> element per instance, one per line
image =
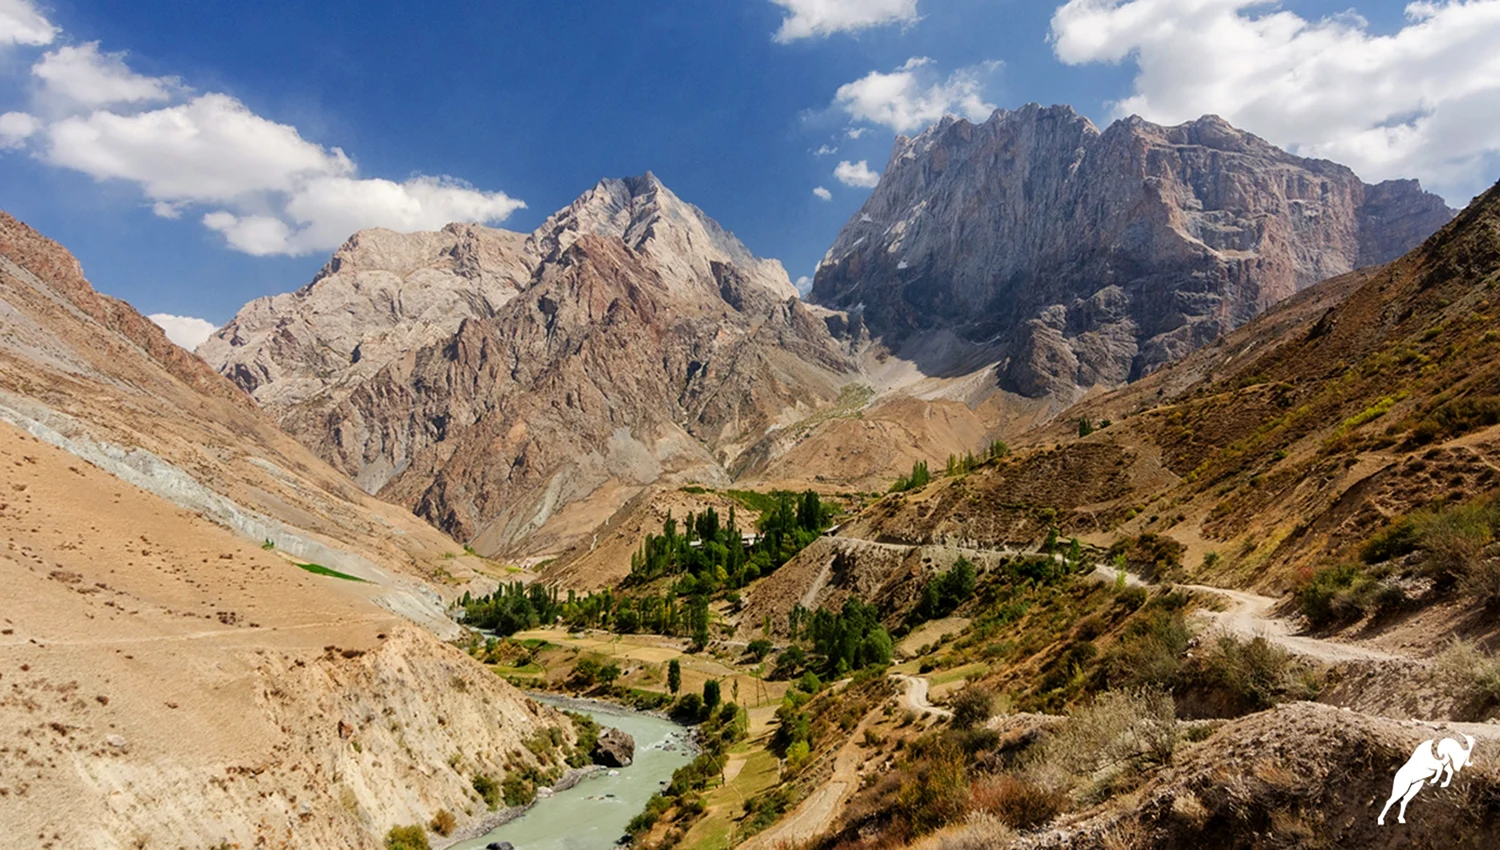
<point x="865" y="449"/>
<point x="121" y="591"/>
<point x="177" y="684"/>
<point x="1273" y="447"/>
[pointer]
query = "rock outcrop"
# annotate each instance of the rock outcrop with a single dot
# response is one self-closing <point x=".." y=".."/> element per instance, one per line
<point x="615" y="748"/>
<point x="646" y="344"/>
<point x="1079" y="258"/>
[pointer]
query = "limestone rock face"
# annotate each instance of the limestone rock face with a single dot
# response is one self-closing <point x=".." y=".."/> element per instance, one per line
<point x="630" y="339"/>
<point x="615" y="748"/>
<point x="1083" y="258"/>
<point x="382" y="294"/>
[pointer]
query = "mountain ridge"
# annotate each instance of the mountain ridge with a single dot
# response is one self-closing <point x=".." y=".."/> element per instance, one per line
<point x="1083" y="258"/>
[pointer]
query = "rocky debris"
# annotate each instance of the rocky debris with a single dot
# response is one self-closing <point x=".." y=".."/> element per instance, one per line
<point x="1081" y="258"/>
<point x="645" y="343"/>
<point x="615" y="748"/>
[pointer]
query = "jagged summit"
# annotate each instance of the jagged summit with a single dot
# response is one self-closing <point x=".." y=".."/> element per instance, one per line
<point x="652" y="219"/>
<point x="1075" y="258"/>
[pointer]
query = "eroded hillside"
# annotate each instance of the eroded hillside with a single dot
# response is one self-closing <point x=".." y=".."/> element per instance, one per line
<point x="212" y="636"/>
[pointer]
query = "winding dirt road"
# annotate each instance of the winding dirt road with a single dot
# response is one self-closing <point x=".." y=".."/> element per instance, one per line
<point x="914" y="696"/>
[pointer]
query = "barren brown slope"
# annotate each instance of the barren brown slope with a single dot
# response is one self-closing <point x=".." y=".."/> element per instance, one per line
<point x="137" y="491"/>
<point x="180" y="686"/>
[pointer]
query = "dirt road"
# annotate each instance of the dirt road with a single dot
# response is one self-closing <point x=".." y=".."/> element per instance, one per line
<point x="914" y="697"/>
<point x="1250" y="615"/>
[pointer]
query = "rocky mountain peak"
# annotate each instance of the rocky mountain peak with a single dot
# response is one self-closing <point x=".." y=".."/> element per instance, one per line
<point x="651" y="219"/>
<point x="1073" y="258"/>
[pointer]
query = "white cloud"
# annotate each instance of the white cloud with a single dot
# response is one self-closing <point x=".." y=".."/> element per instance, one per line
<point x="1421" y="102"/>
<point x="856" y="174"/>
<point x="87" y="77"/>
<point x="856" y="132"/>
<point x="804" y="285"/>
<point x="211" y="148"/>
<point x="258" y="183"/>
<point x="823" y="193"/>
<point x="826" y="150"/>
<point x="913" y="95"/>
<point x="186" y="331"/>
<point x="21" y="23"/>
<point x="276" y="192"/>
<point x="16" y="128"/>
<point x="822" y="18"/>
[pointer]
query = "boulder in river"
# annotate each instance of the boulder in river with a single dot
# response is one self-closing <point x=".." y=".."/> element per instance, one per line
<point x="615" y="748"/>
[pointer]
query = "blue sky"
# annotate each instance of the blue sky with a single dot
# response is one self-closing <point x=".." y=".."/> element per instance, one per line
<point x="197" y="155"/>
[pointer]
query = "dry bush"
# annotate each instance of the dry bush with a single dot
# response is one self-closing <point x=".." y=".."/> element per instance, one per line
<point x="935" y="791"/>
<point x="979" y="831"/>
<point x="1470" y="672"/>
<point x="1109" y="742"/>
<point x="443" y="822"/>
<point x="1244" y="676"/>
<point x="1017" y="801"/>
<point x="972" y="706"/>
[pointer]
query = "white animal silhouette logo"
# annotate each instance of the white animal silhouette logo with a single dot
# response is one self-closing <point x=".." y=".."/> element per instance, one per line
<point x="1426" y="765"/>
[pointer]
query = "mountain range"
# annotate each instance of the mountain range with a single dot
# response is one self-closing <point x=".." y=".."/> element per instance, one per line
<point x="517" y="390"/>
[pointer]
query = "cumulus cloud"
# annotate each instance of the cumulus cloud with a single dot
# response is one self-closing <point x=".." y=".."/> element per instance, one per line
<point x="822" y="18"/>
<point x="21" y="23"/>
<point x="804" y="285"/>
<point x="1420" y="102"/>
<point x="857" y="174"/>
<point x="85" y="76"/>
<point x="186" y="331"/>
<point x="16" y="128"/>
<point x="266" y="189"/>
<point x="826" y="150"/>
<point x="856" y="132"/>
<point x="823" y="193"/>
<point x="914" y="95"/>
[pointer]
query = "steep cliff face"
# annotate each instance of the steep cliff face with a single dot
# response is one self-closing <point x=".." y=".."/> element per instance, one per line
<point x="381" y="295"/>
<point x="646" y="344"/>
<point x="1082" y="258"/>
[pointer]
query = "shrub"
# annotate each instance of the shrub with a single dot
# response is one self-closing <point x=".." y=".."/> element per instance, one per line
<point x="1111" y="739"/>
<point x="1017" y="802"/>
<point x="1458" y="417"/>
<point x="1150" y="650"/>
<point x="759" y="649"/>
<point x="1453" y="538"/>
<point x="1391" y="542"/>
<point x="935" y="791"/>
<point x="1470" y="672"/>
<point x="406" y="838"/>
<point x="1153" y="556"/>
<point x="487" y="790"/>
<point x="516" y="790"/>
<point x="1254" y="675"/>
<point x="972" y="706"/>
<point x="443" y="822"/>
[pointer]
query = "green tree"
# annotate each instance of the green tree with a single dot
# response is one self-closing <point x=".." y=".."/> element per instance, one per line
<point x="674" y="676"/>
<point x="711" y="694"/>
<point x="406" y="838"/>
<point x="1085" y="427"/>
<point x="609" y="673"/>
